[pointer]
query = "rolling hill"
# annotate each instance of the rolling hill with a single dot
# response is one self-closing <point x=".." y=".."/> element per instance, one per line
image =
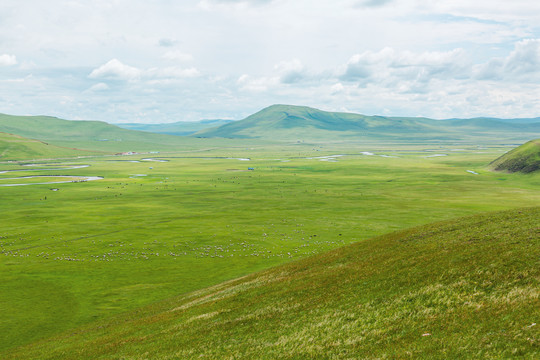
<point x="274" y="123"/>
<point x="287" y="122"/>
<point x="466" y="288"/>
<point x="180" y="128"/>
<point x="89" y="135"/>
<point x="524" y="159"/>
<point x="14" y="147"/>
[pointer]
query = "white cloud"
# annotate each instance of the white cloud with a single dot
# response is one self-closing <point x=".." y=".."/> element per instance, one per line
<point x="171" y="73"/>
<point x="337" y="88"/>
<point x="389" y="65"/>
<point x="116" y="70"/>
<point x="364" y="65"/>
<point x="166" y="42"/>
<point x="177" y="55"/>
<point x="99" y="87"/>
<point x="437" y="58"/>
<point x="259" y="84"/>
<point x="495" y="10"/>
<point x="207" y="3"/>
<point x="7" y="60"/>
<point x="525" y="59"/>
<point x="522" y="64"/>
<point x="373" y="3"/>
<point x="290" y="71"/>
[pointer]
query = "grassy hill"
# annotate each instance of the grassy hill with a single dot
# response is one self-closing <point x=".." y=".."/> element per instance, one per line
<point x="180" y="128"/>
<point x="525" y="159"/>
<point x="90" y="135"/>
<point x="275" y="123"/>
<point x="466" y="288"/>
<point x="288" y="122"/>
<point x="14" y="147"/>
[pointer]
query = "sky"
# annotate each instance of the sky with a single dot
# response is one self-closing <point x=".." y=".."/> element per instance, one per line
<point x="160" y="61"/>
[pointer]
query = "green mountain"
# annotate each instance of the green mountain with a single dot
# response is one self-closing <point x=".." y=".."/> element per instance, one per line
<point x="180" y="128"/>
<point x="511" y="121"/>
<point x="90" y="135"/>
<point x="286" y="122"/>
<point x="275" y="123"/>
<point x="461" y="289"/>
<point x="14" y="147"/>
<point x="524" y="159"/>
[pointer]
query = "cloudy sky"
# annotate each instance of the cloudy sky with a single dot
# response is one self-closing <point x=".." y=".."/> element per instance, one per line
<point x="165" y="60"/>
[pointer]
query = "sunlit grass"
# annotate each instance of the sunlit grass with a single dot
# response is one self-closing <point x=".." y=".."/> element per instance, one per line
<point x="105" y="247"/>
<point x="465" y="288"/>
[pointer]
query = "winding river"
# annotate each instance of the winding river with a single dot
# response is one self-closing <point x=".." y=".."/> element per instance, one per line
<point x="72" y="179"/>
<point x="57" y="167"/>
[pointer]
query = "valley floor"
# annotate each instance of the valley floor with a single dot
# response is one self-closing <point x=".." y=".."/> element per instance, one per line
<point x="78" y="253"/>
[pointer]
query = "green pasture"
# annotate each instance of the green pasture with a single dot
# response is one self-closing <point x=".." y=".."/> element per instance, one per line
<point x="465" y="288"/>
<point x="150" y="230"/>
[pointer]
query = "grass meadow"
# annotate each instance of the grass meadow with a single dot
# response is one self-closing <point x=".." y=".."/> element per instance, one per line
<point x="465" y="288"/>
<point x="161" y="225"/>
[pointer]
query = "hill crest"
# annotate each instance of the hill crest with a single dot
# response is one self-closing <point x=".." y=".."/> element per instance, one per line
<point x="290" y="122"/>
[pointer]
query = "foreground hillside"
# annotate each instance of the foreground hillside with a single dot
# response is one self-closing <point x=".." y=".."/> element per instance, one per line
<point x="288" y="122"/>
<point x="467" y="288"/>
<point x="525" y="159"/>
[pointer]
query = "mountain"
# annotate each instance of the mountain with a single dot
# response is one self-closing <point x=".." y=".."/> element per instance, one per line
<point x="460" y="289"/>
<point x="524" y="159"/>
<point x="90" y="135"/>
<point x="14" y="147"/>
<point x="287" y="122"/>
<point x="180" y="128"/>
<point x="274" y="123"/>
<point x="511" y="121"/>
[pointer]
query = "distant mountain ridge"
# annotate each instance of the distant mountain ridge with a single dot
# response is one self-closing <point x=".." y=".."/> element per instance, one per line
<point x="288" y="122"/>
<point x="274" y="123"/>
<point x="179" y="128"/>
<point x="511" y="121"/>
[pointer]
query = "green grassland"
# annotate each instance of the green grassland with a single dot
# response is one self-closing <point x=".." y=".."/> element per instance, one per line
<point x="525" y="159"/>
<point x="151" y="230"/>
<point x="465" y="288"/>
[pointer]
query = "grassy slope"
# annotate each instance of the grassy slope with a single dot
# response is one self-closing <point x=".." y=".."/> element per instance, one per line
<point x="180" y="128"/>
<point x="466" y="288"/>
<point x="525" y="159"/>
<point x="288" y="122"/>
<point x="90" y="135"/>
<point x="96" y="249"/>
<point x="13" y="147"/>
